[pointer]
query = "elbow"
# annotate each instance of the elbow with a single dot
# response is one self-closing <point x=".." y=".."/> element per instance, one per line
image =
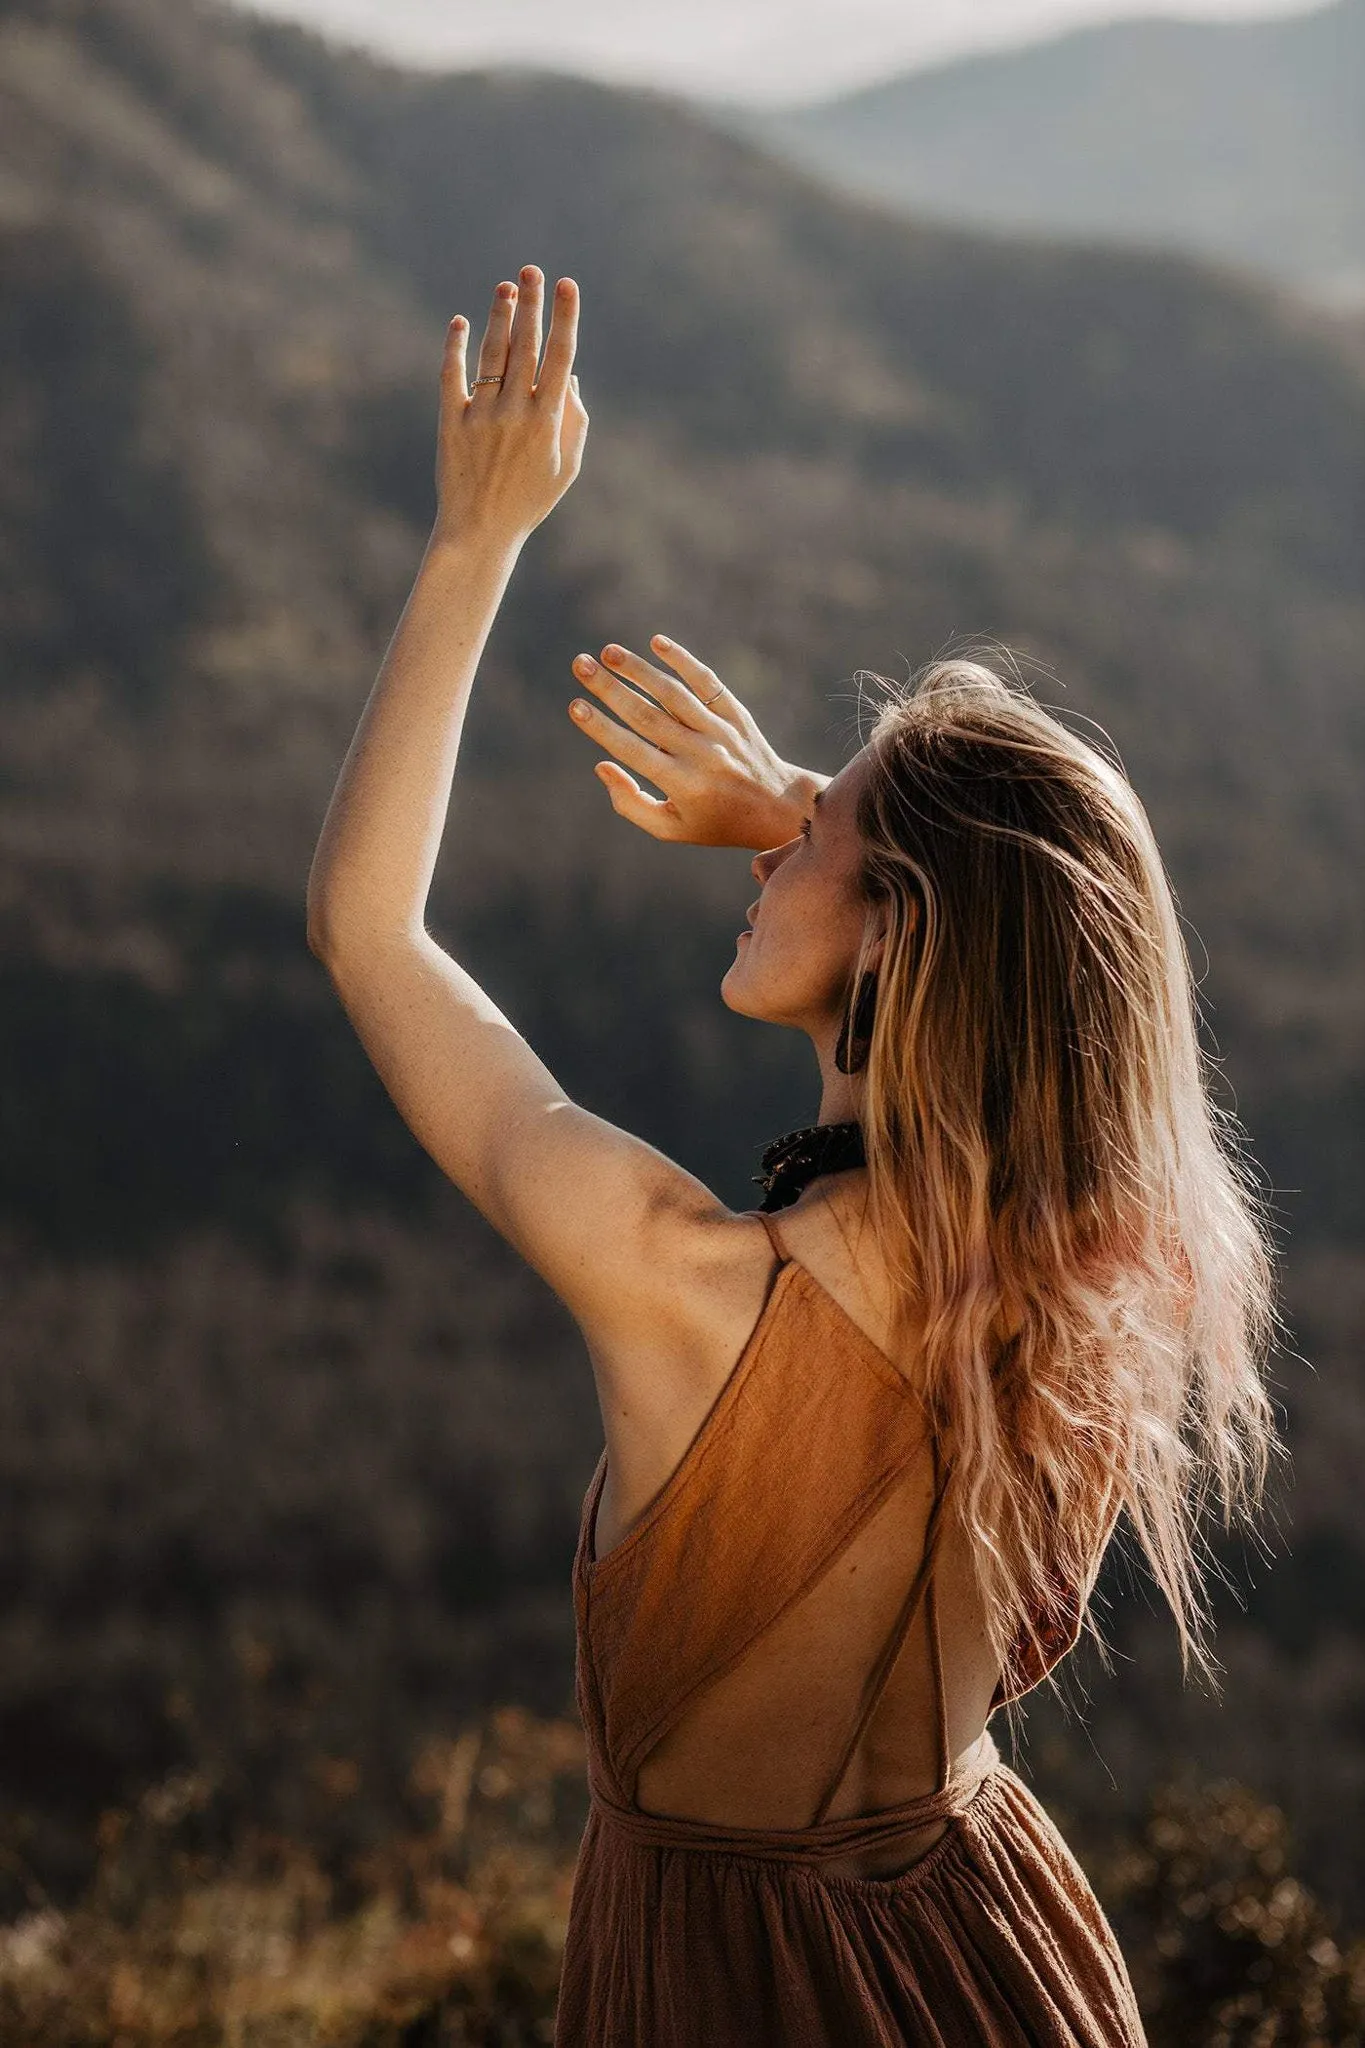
<point x="327" y="922"/>
<point x="322" y="944"/>
<point x="339" y="945"/>
<point x="313" y="928"/>
<point x="337" y="963"/>
<point x="318" y="930"/>
<point x="314" y="912"/>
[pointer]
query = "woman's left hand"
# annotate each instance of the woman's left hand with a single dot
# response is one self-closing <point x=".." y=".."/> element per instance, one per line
<point x="506" y="453"/>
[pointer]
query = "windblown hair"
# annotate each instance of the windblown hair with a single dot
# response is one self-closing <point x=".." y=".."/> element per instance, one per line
<point x="1080" y="1255"/>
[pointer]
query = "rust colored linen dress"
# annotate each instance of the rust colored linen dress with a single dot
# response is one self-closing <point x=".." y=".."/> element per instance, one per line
<point x="739" y="1650"/>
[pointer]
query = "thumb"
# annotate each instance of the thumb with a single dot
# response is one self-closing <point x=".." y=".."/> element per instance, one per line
<point x="573" y="433"/>
<point x="617" y="782"/>
<point x="628" y="800"/>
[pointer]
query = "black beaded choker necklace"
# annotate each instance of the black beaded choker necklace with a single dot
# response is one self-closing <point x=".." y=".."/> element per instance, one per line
<point x="792" y="1161"/>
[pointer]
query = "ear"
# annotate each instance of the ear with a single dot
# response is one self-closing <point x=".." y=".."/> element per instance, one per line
<point x="876" y="933"/>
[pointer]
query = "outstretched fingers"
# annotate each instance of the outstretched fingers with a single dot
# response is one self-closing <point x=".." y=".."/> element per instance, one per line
<point x="652" y="709"/>
<point x="560" y="346"/>
<point x="498" y="333"/>
<point x="502" y="453"/>
<point x="704" y="686"/>
<point x="454" y="369"/>
<point x="678" y="699"/>
<point x="524" y="348"/>
<point x="628" y="741"/>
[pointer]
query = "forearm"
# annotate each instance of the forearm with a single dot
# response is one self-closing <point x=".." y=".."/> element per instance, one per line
<point x="372" y="870"/>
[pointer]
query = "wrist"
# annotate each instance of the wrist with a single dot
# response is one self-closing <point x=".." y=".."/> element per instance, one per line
<point x="797" y="799"/>
<point x="790" y="803"/>
<point x="473" y="542"/>
<point x="801" y="786"/>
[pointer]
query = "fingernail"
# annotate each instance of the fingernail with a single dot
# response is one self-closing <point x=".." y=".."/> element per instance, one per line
<point x="579" y="708"/>
<point x="662" y="640"/>
<point x="585" y="664"/>
<point x="613" y="654"/>
<point x="528" y="273"/>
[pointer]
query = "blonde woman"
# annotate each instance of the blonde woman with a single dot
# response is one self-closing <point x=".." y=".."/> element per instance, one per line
<point x="861" y="1465"/>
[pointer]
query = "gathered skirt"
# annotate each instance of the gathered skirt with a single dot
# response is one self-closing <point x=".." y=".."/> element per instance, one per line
<point x="993" y="1939"/>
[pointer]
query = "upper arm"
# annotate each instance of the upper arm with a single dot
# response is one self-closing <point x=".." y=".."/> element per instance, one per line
<point x="602" y="1216"/>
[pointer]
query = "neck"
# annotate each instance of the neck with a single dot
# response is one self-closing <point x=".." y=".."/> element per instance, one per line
<point x="841" y="1099"/>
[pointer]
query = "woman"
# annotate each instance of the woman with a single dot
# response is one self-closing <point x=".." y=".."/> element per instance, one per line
<point x="861" y="1466"/>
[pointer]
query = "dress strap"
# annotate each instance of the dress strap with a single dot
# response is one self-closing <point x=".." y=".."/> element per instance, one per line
<point x="774" y="1234"/>
<point x="923" y="1582"/>
<point x="945" y="1761"/>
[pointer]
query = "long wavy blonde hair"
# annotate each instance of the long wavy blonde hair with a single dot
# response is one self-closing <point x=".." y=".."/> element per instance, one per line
<point x="1078" y="1250"/>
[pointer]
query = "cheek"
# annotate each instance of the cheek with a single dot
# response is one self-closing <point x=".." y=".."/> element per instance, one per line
<point x="807" y="945"/>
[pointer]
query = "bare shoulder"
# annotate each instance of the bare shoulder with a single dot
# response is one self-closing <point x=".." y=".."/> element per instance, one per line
<point x="707" y="1278"/>
<point x="662" y="1361"/>
<point x="679" y="1328"/>
<point x="660" y="1370"/>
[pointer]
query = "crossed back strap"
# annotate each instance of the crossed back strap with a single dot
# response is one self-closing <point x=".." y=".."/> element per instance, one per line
<point x="921" y="1589"/>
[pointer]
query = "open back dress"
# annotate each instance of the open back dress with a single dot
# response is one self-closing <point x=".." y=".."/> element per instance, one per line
<point x="765" y="1630"/>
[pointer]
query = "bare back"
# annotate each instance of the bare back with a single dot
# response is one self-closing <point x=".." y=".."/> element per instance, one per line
<point x="842" y="1700"/>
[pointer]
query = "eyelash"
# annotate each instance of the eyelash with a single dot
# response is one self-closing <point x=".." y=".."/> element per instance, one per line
<point x="805" y="828"/>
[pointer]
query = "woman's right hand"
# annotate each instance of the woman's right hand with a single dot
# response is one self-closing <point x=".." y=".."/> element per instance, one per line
<point x="723" y="784"/>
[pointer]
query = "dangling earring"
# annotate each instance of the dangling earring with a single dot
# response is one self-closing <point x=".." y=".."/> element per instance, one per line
<point x="855" y="1039"/>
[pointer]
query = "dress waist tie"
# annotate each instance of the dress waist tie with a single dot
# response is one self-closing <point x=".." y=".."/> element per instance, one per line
<point x="824" y="1841"/>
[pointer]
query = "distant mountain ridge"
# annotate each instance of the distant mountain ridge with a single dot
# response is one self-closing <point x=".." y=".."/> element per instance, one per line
<point x="1238" y="141"/>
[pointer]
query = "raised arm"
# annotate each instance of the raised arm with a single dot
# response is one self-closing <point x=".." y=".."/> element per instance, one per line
<point x="505" y="456"/>
<point x="601" y="1215"/>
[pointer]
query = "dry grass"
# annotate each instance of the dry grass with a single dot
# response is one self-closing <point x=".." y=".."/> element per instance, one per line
<point x="455" y="1929"/>
<point x="453" y="1932"/>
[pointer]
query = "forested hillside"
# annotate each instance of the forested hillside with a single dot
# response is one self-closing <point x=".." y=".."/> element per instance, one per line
<point x="278" y="1410"/>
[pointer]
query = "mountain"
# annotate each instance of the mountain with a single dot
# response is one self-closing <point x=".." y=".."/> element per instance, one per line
<point x="275" y="1400"/>
<point x="1243" y="142"/>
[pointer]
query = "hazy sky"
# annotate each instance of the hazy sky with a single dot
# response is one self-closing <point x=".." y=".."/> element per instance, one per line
<point x="757" y="50"/>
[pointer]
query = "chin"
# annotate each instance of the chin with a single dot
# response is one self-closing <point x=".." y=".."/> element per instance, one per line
<point x="730" y="994"/>
<point x="735" y="997"/>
